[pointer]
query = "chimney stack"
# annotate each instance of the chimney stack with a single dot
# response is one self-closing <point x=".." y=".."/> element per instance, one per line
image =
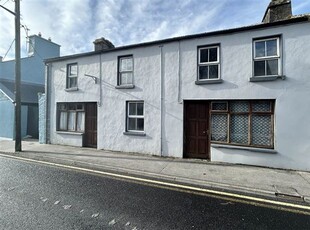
<point x="278" y="10"/>
<point x="103" y="44"/>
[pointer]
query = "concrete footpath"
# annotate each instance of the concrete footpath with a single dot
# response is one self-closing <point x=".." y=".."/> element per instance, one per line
<point x="274" y="183"/>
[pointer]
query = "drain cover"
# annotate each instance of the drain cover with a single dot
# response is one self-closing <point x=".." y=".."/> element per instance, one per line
<point x="287" y="192"/>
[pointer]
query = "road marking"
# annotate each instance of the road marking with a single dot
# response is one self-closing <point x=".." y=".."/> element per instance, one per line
<point x="230" y="196"/>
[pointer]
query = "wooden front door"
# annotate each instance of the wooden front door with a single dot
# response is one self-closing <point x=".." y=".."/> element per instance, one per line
<point x="90" y="139"/>
<point x="196" y="129"/>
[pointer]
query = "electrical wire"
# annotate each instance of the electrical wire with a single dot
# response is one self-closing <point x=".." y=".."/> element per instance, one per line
<point x="5" y="2"/>
<point x="9" y="48"/>
<point x="26" y="29"/>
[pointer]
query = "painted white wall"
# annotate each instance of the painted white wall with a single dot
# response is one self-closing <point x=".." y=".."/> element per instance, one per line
<point x="87" y="91"/>
<point x="112" y="114"/>
<point x="292" y="94"/>
<point x="179" y="70"/>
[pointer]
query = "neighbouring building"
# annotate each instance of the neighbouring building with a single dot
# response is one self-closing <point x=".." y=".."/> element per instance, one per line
<point x="239" y="95"/>
<point x="32" y="83"/>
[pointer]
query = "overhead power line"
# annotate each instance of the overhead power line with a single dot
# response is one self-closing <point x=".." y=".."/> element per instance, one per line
<point x="9" y="48"/>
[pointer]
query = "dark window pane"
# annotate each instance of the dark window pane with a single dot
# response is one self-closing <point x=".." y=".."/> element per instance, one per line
<point x="239" y="129"/>
<point x="219" y="127"/>
<point x="132" y="109"/>
<point x="204" y="55"/>
<point x="203" y="72"/>
<point x="261" y="130"/>
<point x="72" y="106"/>
<point x="259" y="68"/>
<point x="80" y="107"/>
<point x="213" y="71"/>
<point x="212" y="54"/>
<point x="140" y="124"/>
<point x="132" y="123"/>
<point x="261" y="106"/>
<point x="239" y="107"/>
<point x="272" y="47"/>
<point x="140" y="109"/>
<point x="272" y="67"/>
<point x="72" y="82"/>
<point x="219" y="106"/>
<point x="63" y="106"/>
<point x="260" y="49"/>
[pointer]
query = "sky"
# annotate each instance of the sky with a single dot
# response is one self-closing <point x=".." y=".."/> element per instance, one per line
<point x="75" y="24"/>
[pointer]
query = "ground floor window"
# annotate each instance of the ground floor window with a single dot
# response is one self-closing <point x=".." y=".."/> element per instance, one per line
<point x="248" y="123"/>
<point x="135" y="116"/>
<point x="70" y="117"/>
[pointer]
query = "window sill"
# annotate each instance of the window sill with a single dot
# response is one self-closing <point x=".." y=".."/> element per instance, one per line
<point x="69" y="133"/>
<point x="125" y="86"/>
<point x="72" y="89"/>
<point x="266" y="78"/>
<point x="210" y="81"/>
<point x="252" y="149"/>
<point x="134" y="133"/>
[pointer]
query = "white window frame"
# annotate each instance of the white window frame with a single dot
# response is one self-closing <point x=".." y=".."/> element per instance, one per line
<point x="266" y="58"/>
<point x="71" y="76"/>
<point x="128" y="116"/>
<point x="217" y="62"/>
<point x="120" y="71"/>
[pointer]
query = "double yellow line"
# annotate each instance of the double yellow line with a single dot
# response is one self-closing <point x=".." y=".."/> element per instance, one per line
<point x="279" y="205"/>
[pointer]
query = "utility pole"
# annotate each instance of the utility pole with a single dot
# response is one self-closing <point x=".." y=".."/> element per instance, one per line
<point x="18" y="143"/>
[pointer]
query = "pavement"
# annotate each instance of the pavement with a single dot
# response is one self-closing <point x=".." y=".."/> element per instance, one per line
<point x="290" y="185"/>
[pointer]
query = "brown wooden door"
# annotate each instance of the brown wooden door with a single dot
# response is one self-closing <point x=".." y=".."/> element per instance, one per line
<point x="90" y="139"/>
<point x="196" y="127"/>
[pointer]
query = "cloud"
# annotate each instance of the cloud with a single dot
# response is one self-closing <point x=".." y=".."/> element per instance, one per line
<point x="75" y="24"/>
<point x="301" y="6"/>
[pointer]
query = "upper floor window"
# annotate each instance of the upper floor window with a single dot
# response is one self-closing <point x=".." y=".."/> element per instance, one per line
<point x="267" y="57"/>
<point x="208" y="63"/>
<point x="125" y="70"/>
<point x="72" y="74"/>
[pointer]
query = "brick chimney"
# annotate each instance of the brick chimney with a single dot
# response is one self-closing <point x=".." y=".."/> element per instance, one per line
<point x="278" y="10"/>
<point x="103" y="44"/>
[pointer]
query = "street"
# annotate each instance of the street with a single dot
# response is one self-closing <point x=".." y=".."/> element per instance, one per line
<point x="37" y="196"/>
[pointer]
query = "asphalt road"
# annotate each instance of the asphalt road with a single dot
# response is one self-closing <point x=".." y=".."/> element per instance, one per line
<point x="36" y="196"/>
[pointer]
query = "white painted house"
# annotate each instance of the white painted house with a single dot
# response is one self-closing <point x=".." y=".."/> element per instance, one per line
<point x="240" y="95"/>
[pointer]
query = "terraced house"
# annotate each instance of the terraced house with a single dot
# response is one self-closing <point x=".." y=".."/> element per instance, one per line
<point x="239" y="95"/>
<point x="32" y="83"/>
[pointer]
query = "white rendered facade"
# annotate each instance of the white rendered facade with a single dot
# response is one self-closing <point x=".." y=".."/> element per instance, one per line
<point x="164" y="76"/>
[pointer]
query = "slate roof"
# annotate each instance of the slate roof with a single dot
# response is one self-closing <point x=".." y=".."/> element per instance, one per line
<point x="28" y="91"/>
<point x="293" y="19"/>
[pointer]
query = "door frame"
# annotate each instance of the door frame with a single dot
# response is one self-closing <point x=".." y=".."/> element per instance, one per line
<point x="185" y="105"/>
<point x="85" y="136"/>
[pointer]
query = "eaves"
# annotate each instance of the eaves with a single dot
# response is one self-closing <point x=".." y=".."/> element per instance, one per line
<point x="295" y="19"/>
